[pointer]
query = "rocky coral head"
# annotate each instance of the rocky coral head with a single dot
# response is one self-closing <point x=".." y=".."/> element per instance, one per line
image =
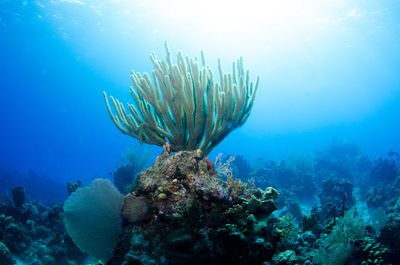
<point x="173" y="184"/>
<point x="181" y="213"/>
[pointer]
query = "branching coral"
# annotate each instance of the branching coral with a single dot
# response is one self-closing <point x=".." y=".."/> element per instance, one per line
<point x="184" y="105"/>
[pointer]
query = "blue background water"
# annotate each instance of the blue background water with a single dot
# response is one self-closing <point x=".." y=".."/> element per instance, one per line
<point x="327" y="70"/>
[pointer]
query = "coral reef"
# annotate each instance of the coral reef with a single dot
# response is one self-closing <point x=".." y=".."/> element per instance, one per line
<point x="35" y="234"/>
<point x="185" y="209"/>
<point x="178" y="213"/>
<point x="181" y="211"/>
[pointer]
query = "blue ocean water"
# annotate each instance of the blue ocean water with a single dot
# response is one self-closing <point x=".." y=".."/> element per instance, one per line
<point x="332" y="75"/>
<point x="328" y="70"/>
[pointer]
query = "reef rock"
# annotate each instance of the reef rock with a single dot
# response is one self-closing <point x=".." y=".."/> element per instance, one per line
<point x="180" y="212"/>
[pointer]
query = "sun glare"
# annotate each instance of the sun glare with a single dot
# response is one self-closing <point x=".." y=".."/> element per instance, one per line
<point x="227" y="28"/>
<point x="228" y="25"/>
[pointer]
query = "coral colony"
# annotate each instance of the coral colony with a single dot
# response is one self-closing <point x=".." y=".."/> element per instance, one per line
<point x="184" y="106"/>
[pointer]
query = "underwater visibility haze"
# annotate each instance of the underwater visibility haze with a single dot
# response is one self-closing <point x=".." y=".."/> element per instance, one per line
<point x="127" y="136"/>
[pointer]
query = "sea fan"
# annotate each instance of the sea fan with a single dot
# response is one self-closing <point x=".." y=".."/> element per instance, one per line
<point x="92" y="218"/>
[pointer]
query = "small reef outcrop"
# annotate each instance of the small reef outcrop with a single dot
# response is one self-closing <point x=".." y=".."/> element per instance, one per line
<point x="181" y="212"/>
